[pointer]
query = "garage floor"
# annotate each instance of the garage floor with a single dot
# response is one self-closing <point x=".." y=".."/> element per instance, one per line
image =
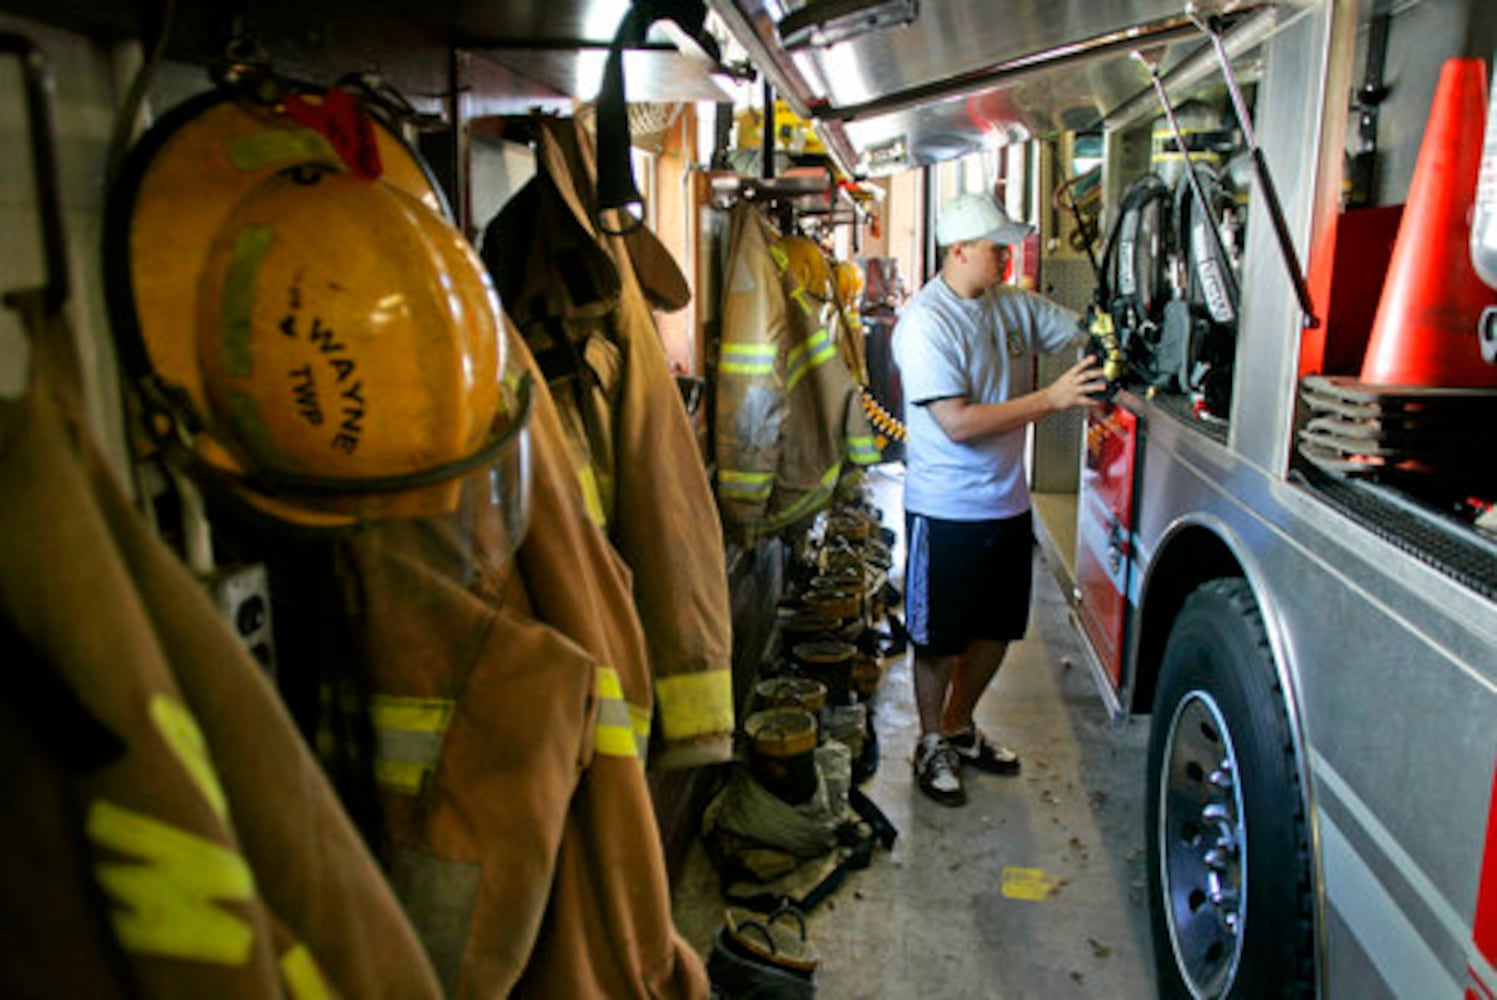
<point x="1035" y="888"/>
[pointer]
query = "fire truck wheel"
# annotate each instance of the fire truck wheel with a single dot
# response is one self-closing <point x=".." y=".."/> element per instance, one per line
<point x="1229" y="853"/>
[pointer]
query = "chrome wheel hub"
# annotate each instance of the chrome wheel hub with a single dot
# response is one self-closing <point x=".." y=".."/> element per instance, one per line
<point x="1202" y="846"/>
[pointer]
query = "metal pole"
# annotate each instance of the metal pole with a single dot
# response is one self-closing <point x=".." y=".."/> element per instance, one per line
<point x="1211" y="28"/>
<point x="36" y="78"/>
<point x="1193" y="180"/>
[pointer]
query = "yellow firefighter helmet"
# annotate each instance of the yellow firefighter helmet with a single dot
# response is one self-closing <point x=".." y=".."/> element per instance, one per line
<point x="347" y="334"/>
<point x="176" y="188"/>
<point x="849" y="279"/>
<point x="327" y="345"/>
<point x="807" y="265"/>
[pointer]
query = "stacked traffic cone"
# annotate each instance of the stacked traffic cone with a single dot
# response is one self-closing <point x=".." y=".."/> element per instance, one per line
<point x="1425" y="333"/>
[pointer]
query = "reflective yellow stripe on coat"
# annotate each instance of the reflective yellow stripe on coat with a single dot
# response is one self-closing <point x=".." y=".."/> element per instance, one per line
<point x="739" y="358"/>
<point x="809" y="504"/>
<point x="802" y="358"/>
<point x="694" y="705"/>
<point x="408" y="734"/>
<point x="622" y="730"/>
<point x="862" y="449"/>
<point x="733" y="484"/>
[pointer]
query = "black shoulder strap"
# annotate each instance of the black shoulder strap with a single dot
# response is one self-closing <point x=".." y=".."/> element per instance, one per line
<point x="1143" y="189"/>
<point x="1217" y="292"/>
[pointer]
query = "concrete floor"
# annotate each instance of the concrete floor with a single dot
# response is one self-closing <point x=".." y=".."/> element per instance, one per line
<point x="1035" y="888"/>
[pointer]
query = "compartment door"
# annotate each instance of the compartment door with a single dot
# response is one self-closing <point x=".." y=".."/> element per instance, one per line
<point x="1104" y="537"/>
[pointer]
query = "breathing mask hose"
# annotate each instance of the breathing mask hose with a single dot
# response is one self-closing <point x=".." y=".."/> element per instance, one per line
<point x="1102" y="338"/>
<point x="1067" y="191"/>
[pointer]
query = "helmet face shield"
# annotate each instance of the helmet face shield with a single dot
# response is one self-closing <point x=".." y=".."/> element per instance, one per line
<point x="495" y="507"/>
<point x="439" y="490"/>
<point x="463" y="521"/>
<point x="466" y="528"/>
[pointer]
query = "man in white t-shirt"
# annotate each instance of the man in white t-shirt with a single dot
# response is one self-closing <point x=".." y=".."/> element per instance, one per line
<point x="969" y="534"/>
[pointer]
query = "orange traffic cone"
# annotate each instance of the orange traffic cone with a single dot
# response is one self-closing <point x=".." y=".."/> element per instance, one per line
<point x="1425" y="333"/>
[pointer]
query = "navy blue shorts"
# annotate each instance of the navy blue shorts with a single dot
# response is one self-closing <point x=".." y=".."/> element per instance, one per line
<point x="966" y="580"/>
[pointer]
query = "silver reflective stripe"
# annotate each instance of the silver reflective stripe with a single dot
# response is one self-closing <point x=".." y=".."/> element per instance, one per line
<point x="420" y="747"/>
<point x="613" y="733"/>
<point x="1380" y="924"/>
<point x="917" y="589"/>
<point x="409" y="733"/>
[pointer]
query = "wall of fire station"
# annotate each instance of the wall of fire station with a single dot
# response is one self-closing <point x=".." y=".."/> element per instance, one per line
<point x="88" y="79"/>
<point x="1421" y="36"/>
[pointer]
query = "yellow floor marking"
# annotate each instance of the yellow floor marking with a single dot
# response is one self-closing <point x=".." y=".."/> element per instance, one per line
<point x="1030" y="884"/>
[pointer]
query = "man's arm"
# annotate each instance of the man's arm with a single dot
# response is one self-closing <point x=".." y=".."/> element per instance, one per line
<point x="965" y="421"/>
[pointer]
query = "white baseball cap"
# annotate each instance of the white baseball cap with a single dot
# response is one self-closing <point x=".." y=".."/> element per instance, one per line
<point x="977" y="217"/>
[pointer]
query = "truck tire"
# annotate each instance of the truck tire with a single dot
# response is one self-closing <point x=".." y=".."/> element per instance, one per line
<point x="1230" y="893"/>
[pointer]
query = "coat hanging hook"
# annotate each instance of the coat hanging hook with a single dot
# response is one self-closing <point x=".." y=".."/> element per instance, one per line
<point x="616" y="187"/>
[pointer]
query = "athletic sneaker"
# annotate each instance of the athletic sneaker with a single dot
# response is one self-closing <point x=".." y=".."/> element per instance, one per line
<point x="938" y="772"/>
<point x="973" y="748"/>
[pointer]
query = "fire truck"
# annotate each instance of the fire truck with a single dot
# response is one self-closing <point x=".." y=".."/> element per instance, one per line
<point x="1277" y="536"/>
<point x="1313" y="638"/>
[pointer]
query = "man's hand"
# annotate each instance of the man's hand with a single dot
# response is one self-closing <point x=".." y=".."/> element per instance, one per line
<point x="962" y="421"/>
<point x="1083" y="384"/>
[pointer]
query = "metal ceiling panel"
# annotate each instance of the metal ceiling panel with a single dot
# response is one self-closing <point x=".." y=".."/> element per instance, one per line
<point x="649" y="74"/>
<point x="966" y="75"/>
<point x="952" y="37"/>
<point x="564" y="43"/>
<point x="533" y="51"/>
<point x="517" y="23"/>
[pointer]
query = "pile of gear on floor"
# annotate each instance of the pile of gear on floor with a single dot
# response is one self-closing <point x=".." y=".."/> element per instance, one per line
<point x="790" y="821"/>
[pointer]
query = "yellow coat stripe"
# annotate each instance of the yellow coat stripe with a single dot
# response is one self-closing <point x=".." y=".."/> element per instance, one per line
<point x="808" y="504"/>
<point x="863" y="450"/>
<point x="415" y="715"/>
<point x="409" y="733"/>
<point x="642" y="725"/>
<point x="613" y="735"/>
<point x="693" y="705"/>
<point x="592" y="497"/>
<point x="739" y="358"/>
<point x="733" y="484"/>
<point x="816" y="351"/>
<point x="301" y="976"/>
